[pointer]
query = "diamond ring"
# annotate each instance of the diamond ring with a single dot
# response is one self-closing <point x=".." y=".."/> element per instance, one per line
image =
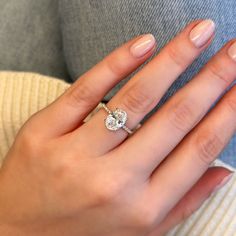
<point x="116" y="119"/>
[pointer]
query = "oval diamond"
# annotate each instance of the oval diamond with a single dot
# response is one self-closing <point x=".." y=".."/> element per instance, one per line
<point x="110" y="122"/>
<point x="116" y="119"/>
<point x="121" y="117"/>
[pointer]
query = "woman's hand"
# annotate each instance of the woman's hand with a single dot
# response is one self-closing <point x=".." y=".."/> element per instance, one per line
<point x="66" y="177"/>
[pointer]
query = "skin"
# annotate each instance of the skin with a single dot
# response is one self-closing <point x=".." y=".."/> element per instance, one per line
<point x="66" y="177"/>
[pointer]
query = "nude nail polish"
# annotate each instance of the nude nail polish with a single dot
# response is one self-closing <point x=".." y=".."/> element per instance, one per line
<point x="232" y="51"/>
<point x="223" y="182"/>
<point x="143" y="45"/>
<point x="202" y="32"/>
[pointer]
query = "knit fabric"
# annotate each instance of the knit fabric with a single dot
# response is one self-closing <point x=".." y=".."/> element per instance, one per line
<point x="22" y="94"/>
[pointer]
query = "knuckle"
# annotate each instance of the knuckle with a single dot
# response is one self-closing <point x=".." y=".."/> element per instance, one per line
<point x="144" y="217"/>
<point x="60" y="175"/>
<point x="217" y="72"/>
<point x="177" y="56"/>
<point x="82" y="93"/>
<point x="28" y="143"/>
<point x="104" y="195"/>
<point x="208" y="146"/>
<point x="137" y="100"/>
<point x="105" y="191"/>
<point x="182" y="115"/>
<point x="116" y="64"/>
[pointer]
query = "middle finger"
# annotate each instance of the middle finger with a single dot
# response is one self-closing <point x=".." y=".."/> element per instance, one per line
<point x="141" y="94"/>
<point x="167" y="127"/>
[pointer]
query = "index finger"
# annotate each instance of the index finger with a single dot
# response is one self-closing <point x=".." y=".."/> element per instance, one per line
<point x="71" y="108"/>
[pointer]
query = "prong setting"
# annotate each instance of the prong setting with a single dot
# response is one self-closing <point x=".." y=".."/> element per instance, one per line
<point x="116" y="119"/>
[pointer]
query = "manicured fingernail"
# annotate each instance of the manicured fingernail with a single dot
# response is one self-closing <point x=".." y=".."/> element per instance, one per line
<point x="224" y="181"/>
<point x="202" y="32"/>
<point x="143" y="45"/>
<point x="232" y="51"/>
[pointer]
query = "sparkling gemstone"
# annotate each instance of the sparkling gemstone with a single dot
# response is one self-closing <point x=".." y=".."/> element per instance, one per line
<point x="110" y="122"/>
<point x="116" y="119"/>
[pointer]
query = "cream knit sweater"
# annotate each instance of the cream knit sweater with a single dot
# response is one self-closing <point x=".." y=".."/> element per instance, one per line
<point x="22" y="94"/>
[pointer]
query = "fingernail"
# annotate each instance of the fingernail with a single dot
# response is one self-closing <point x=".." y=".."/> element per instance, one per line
<point x="224" y="181"/>
<point x="202" y="32"/>
<point x="143" y="45"/>
<point x="232" y="51"/>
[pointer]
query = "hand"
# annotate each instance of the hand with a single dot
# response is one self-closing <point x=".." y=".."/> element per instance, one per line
<point x="65" y="177"/>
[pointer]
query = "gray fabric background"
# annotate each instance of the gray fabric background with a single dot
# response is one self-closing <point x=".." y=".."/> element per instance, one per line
<point x="30" y="37"/>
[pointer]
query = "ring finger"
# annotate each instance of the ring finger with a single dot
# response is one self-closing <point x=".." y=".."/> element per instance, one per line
<point x="141" y="94"/>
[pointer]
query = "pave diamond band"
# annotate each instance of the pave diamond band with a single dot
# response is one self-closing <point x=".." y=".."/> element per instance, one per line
<point x="116" y="119"/>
